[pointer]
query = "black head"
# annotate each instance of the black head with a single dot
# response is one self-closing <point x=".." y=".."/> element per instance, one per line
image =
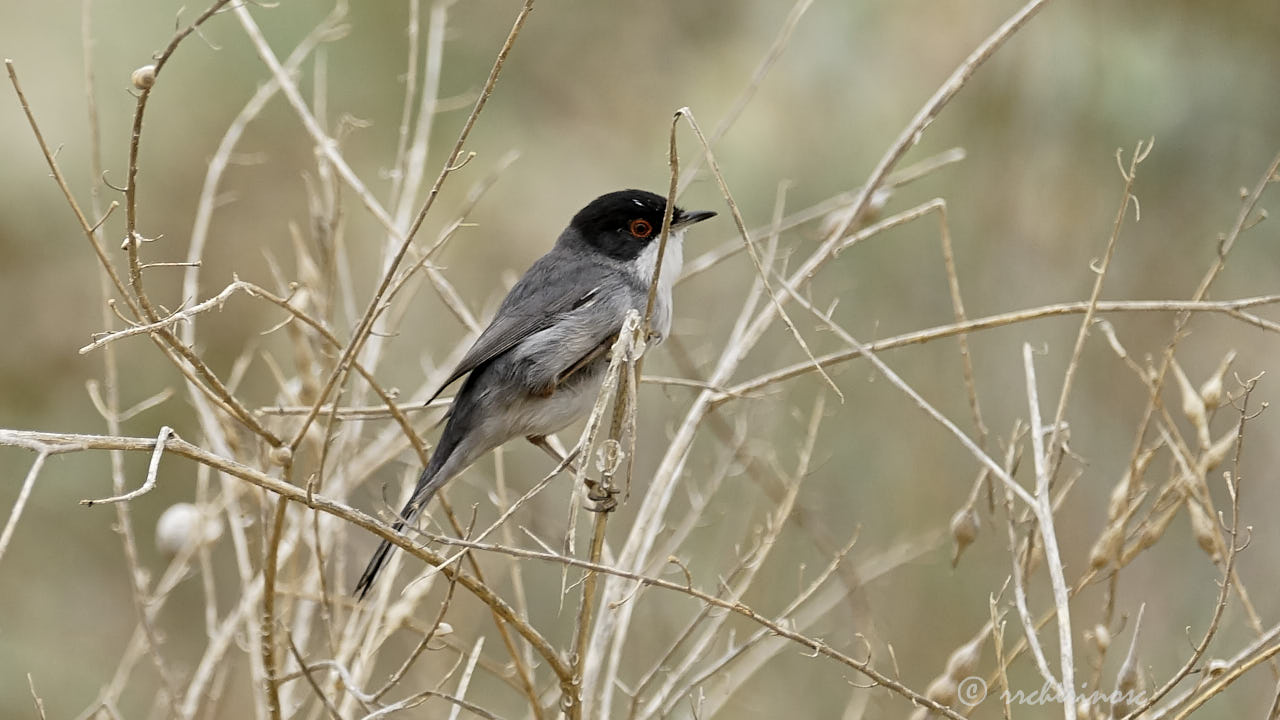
<point x="622" y="224"/>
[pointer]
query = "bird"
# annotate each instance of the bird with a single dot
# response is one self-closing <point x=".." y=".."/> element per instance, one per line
<point x="539" y="364"/>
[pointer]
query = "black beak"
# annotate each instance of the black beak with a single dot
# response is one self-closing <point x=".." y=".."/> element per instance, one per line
<point x="685" y="218"/>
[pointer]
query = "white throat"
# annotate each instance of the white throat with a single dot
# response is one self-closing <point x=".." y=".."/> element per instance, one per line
<point x="672" y="263"/>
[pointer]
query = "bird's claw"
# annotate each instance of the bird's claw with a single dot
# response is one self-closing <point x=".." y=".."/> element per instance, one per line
<point x="601" y="499"/>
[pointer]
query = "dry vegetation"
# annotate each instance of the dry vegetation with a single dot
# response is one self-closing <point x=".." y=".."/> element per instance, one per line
<point x="455" y="610"/>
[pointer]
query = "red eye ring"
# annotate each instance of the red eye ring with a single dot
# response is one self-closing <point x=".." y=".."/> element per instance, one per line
<point x="641" y="228"/>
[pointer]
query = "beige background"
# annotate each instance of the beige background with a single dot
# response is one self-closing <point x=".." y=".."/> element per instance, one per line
<point x="586" y="100"/>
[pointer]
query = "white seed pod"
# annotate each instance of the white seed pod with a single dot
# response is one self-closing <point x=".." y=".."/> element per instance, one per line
<point x="1193" y="406"/>
<point x="183" y="524"/>
<point x="1128" y="686"/>
<point x="837" y="218"/>
<point x="1217" y="452"/>
<point x="875" y="206"/>
<point x="144" y="77"/>
<point x="1211" y="390"/>
<point x="1101" y="638"/>
<point x="964" y="661"/>
<point x="1202" y="528"/>
<point x="1216" y="667"/>
<point x="1129" y="679"/>
<point x="281" y="455"/>
<point x="1119" y="503"/>
<point x="942" y="691"/>
<point x="964" y="530"/>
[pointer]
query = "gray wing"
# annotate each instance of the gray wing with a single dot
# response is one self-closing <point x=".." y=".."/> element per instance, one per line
<point x="553" y="286"/>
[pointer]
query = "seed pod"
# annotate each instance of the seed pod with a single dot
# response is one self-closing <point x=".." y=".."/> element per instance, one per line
<point x="1203" y="529"/>
<point x="281" y="455"/>
<point x="183" y="524"/>
<point x="1211" y="390"/>
<point x="1193" y="406"/>
<point x="1128" y="686"/>
<point x="1216" y="667"/>
<point x="1101" y="638"/>
<point x="1119" y="503"/>
<point x="144" y="77"/>
<point x="964" y="661"/>
<point x="942" y="691"/>
<point x="1119" y="498"/>
<point x="964" y="530"/>
<point x="1129" y="680"/>
<point x="1217" y="452"/>
<point x="1106" y="548"/>
<point x="1150" y="535"/>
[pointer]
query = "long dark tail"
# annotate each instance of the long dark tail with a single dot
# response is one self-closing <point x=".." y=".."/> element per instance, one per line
<point x="421" y="498"/>
<point x="375" y="565"/>
<point x="428" y="482"/>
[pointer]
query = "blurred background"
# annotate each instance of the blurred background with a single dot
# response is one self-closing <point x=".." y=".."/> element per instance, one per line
<point x="586" y="101"/>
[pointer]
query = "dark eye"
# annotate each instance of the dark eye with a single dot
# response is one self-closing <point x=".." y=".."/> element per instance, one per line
<point x="641" y="228"/>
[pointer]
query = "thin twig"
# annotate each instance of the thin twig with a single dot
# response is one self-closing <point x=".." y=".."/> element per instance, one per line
<point x="746" y="388"/>
<point x="60" y="443"/>
<point x="1224" y="589"/>
<point x="1043" y="510"/>
<point x="153" y="469"/>
<point x="21" y="503"/>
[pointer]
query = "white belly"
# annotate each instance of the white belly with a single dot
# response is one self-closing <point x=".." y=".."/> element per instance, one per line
<point x="533" y="415"/>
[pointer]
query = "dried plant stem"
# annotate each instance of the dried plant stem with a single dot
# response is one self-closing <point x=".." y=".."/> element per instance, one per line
<point x="35" y="697"/>
<point x="1043" y="510"/>
<point x="775" y="627"/>
<point x="622" y="361"/>
<point x="1257" y="652"/>
<point x="221" y="158"/>
<point x="269" y="569"/>
<point x="749" y="566"/>
<point x="957" y="305"/>
<point x="288" y="631"/>
<point x="751" y="249"/>
<point x="21" y="503"/>
<point x="914" y="130"/>
<point x="216" y="302"/>
<point x="133" y="239"/>
<point x="1228" y="573"/>
<point x="624" y="405"/>
<point x="780" y="43"/>
<point x="89" y="228"/>
<point x="58" y="443"/>
<point x="731" y="248"/>
<point x="1139" y="154"/>
<point x="191" y="366"/>
<point x="410" y="89"/>
<point x="1181" y="320"/>
<point x="746" y="388"/>
<point x="366" y="322"/>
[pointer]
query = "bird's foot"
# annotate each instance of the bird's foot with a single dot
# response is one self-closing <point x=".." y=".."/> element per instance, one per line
<point x="600" y="499"/>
